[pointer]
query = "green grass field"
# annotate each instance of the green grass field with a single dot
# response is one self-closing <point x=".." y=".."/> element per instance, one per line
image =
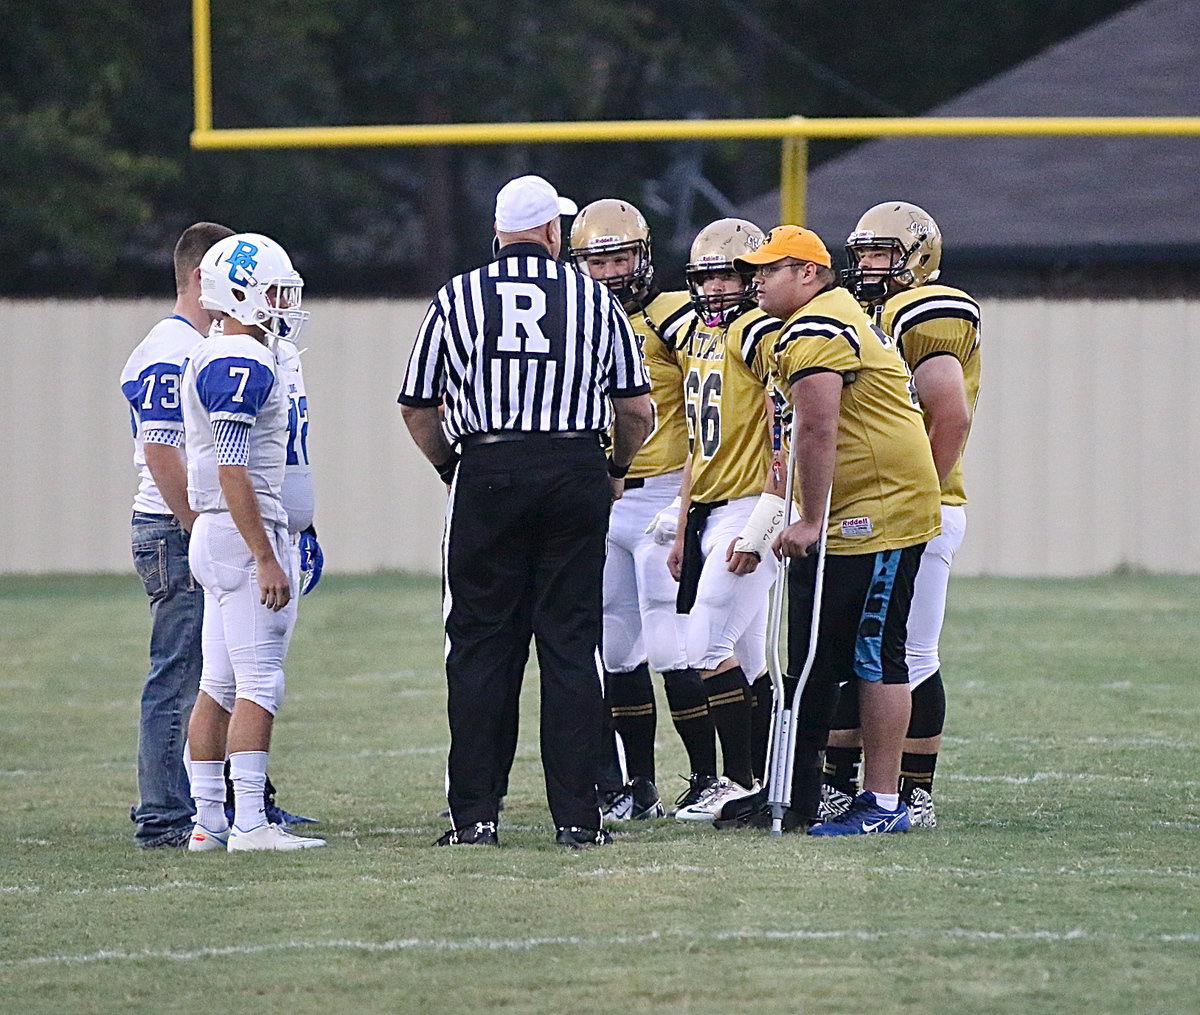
<point x="1063" y="876"/>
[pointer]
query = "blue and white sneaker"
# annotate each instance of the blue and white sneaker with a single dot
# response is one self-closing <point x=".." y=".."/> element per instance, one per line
<point x="865" y="817"/>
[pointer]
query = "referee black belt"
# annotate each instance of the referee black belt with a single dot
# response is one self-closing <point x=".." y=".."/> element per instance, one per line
<point x="472" y="440"/>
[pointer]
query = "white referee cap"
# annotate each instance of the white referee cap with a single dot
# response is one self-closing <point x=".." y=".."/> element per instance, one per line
<point x="528" y="202"/>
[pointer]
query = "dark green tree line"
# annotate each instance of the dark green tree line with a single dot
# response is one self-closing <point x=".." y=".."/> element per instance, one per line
<point x="96" y="176"/>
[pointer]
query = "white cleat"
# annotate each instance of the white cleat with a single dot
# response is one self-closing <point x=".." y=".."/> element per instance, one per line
<point x="267" y="837"/>
<point x="714" y="798"/>
<point x="204" y="840"/>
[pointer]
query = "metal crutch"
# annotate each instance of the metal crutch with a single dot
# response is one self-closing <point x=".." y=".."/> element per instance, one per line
<point x="782" y="750"/>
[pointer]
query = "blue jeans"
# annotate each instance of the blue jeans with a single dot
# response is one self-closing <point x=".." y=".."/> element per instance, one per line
<point x="160" y="554"/>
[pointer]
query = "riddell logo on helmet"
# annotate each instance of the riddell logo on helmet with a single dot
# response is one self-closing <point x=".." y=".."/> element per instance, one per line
<point x="606" y="239"/>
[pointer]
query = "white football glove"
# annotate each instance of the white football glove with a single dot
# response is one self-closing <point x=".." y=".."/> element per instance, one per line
<point x="764" y="522"/>
<point x="665" y="525"/>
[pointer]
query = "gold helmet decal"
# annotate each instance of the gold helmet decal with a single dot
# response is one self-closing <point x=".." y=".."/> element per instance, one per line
<point x="613" y="227"/>
<point x="910" y="235"/>
<point x="713" y="251"/>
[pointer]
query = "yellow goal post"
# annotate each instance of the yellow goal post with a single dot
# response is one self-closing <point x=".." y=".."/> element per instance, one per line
<point x="793" y="131"/>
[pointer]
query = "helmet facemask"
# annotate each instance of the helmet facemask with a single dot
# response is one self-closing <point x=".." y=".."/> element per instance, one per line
<point x="873" y="285"/>
<point x="713" y="251"/>
<point x="713" y="307"/>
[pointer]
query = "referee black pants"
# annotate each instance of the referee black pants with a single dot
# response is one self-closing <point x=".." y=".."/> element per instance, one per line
<point x="524" y="557"/>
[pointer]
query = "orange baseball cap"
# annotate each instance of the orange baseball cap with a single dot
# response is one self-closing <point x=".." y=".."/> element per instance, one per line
<point x="786" y="241"/>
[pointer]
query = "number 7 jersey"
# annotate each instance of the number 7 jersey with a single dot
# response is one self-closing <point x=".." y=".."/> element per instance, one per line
<point x="235" y="377"/>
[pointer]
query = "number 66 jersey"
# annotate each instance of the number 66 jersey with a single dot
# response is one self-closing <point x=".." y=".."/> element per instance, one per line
<point x="236" y="378"/>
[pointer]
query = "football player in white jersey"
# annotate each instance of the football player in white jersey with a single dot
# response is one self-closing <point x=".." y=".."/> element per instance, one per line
<point x="235" y="409"/>
<point x="162" y="524"/>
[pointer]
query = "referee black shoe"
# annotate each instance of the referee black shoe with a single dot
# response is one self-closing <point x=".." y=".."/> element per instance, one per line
<point x="482" y="833"/>
<point x="579" y="838"/>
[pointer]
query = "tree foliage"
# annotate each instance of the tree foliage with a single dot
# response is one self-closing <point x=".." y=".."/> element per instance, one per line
<point x="98" y="179"/>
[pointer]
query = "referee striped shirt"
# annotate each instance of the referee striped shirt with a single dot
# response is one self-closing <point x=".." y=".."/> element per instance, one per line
<point x="524" y="343"/>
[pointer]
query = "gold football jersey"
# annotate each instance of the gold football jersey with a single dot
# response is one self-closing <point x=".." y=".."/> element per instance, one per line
<point x="728" y="370"/>
<point x="933" y="320"/>
<point x="885" y="489"/>
<point x="666" y="448"/>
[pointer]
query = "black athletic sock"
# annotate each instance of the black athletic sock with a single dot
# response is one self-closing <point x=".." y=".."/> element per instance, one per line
<point x="916" y="772"/>
<point x="841" y="770"/>
<point x="688" y="702"/>
<point x="762" y="697"/>
<point x="729" y="706"/>
<point x="631" y="705"/>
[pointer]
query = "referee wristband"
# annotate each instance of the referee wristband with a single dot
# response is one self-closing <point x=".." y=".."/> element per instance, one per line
<point x="617" y="471"/>
<point x="447" y="469"/>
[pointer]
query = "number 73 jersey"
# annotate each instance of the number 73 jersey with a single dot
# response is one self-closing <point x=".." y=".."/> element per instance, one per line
<point x="728" y="371"/>
<point x="236" y="378"/>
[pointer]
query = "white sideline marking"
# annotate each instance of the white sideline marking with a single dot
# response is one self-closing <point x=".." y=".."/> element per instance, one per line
<point x="1022" y="780"/>
<point x="477" y="944"/>
<point x="166" y="886"/>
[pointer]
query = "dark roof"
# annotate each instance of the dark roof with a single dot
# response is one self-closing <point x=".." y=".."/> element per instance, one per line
<point x="1052" y="198"/>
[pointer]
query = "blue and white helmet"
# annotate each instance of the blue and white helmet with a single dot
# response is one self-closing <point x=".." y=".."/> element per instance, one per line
<point x="250" y="277"/>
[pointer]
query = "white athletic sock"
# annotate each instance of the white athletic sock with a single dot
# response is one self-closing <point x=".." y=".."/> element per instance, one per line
<point x="248" y="770"/>
<point x="208" y="790"/>
<point x="888" y="801"/>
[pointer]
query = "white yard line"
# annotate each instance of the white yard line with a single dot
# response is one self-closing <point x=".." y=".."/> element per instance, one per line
<point x="478" y="944"/>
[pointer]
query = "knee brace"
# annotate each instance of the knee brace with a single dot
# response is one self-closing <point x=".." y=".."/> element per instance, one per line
<point x="928" y="708"/>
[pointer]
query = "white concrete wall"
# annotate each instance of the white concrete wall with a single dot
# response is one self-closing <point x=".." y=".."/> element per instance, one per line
<point x="1084" y="455"/>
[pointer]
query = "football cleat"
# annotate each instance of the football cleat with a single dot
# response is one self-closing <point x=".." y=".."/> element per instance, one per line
<point x="204" y="840"/>
<point x="865" y="817"/>
<point x="580" y="838"/>
<point x="698" y="785"/>
<point x="834" y="803"/>
<point x="482" y="833"/>
<point x="710" y="803"/>
<point x="754" y="812"/>
<point x="638" y="801"/>
<point x="920" y="809"/>
<point x="268" y="838"/>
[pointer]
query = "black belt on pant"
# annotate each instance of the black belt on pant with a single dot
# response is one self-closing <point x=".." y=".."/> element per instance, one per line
<point x="635" y="484"/>
<point x="693" y="559"/>
<point x="509" y="436"/>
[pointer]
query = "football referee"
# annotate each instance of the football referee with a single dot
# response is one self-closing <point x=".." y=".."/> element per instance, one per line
<point x="521" y="365"/>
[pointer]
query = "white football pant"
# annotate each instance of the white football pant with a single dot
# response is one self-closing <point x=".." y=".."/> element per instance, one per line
<point x="730" y="614"/>
<point x="640" y="622"/>
<point x="244" y="643"/>
<point x="928" y="608"/>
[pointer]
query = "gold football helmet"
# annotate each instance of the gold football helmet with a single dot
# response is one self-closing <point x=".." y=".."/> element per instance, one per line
<point x="912" y="237"/>
<point x="713" y="250"/>
<point x="610" y="226"/>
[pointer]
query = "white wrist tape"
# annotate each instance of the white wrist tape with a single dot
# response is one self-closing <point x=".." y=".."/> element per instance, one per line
<point x="764" y="522"/>
<point x="665" y="524"/>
